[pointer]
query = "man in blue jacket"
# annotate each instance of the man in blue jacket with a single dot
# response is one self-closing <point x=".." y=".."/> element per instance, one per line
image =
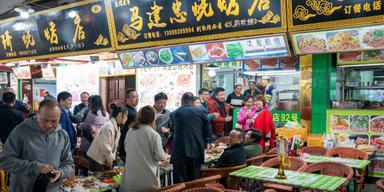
<point x="65" y="100"/>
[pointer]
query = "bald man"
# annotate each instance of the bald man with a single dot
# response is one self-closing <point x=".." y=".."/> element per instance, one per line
<point x="25" y="108"/>
<point x="38" y="146"/>
<point x="235" y="154"/>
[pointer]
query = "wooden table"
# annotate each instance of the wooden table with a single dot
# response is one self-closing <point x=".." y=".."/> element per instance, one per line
<point x="294" y="178"/>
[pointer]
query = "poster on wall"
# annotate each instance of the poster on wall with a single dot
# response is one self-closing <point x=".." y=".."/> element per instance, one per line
<point x="360" y="57"/>
<point x="42" y="87"/>
<point x="13" y="82"/>
<point x="22" y="72"/>
<point x="177" y="55"/>
<point x="114" y="69"/>
<point x="172" y="80"/>
<point x="3" y="78"/>
<point x="284" y="63"/>
<point x="77" y="79"/>
<point x="360" y="128"/>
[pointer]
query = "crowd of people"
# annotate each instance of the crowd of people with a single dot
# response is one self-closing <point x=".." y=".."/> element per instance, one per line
<point x="43" y="145"/>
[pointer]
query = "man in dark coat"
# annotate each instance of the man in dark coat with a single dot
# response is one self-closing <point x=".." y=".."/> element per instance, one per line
<point x="24" y="108"/>
<point x="9" y="117"/>
<point x="235" y="154"/>
<point x="132" y="100"/>
<point x="190" y="128"/>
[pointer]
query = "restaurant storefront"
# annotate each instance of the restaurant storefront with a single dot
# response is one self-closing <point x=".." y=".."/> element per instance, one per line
<point x="345" y="39"/>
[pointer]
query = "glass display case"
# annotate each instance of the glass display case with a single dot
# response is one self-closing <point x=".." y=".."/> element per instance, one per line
<point x="360" y="87"/>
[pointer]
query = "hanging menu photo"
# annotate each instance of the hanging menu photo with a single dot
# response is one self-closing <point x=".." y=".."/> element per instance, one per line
<point x="141" y="23"/>
<point x="78" y="28"/>
<point x="345" y="40"/>
<point x="257" y="48"/>
<point x="321" y="14"/>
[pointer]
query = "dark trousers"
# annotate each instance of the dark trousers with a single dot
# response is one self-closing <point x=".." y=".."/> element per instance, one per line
<point x="186" y="169"/>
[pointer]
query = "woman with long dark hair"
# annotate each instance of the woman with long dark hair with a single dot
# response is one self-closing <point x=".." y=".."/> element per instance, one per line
<point x="144" y="152"/>
<point x="102" y="151"/>
<point x="97" y="116"/>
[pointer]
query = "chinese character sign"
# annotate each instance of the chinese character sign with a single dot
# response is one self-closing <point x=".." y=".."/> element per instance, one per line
<point x="316" y="14"/>
<point x="83" y="27"/>
<point x="151" y="23"/>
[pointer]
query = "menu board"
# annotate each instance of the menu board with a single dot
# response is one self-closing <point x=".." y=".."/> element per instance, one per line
<point x="22" y="72"/>
<point x="139" y="23"/>
<point x="284" y="63"/>
<point x="79" y="28"/>
<point x="77" y="79"/>
<point x="113" y="69"/>
<point x="360" y="57"/>
<point x="354" y="39"/>
<point x="155" y="57"/>
<point x="172" y="80"/>
<point x="257" y="48"/>
<point x="320" y="14"/>
<point x="366" y="127"/>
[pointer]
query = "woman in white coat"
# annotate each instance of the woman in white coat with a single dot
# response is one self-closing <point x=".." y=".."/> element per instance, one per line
<point x="144" y="152"/>
<point x="102" y="151"/>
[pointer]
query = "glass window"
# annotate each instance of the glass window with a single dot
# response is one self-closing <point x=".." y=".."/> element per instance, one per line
<point x="360" y="87"/>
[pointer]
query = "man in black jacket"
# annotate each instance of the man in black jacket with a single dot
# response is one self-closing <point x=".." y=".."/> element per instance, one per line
<point x="132" y="100"/>
<point x="190" y="128"/>
<point x="24" y="108"/>
<point x="9" y="117"/>
<point x="235" y="154"/>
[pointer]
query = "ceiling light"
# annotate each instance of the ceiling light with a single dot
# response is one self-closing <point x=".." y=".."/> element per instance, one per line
<point x="24" y="11"/>
<point x="24" y="15"/>
<point x="211" y="73"/>
<point x="19" y="26"/>
<point x="72" y="14"/>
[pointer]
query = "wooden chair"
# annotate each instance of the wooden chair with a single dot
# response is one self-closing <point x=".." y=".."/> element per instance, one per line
<point x="271" y="152"/>
<point x="320" y="151"/>
<point x="80" y="163"/>
<point x="380" y="184"/>
<point x="202" y="189"/>
<point x="171" y="188"/>
<point x="222" y="188"/>
<point x="258" y="160"/>
<point x="202" y="181"/>
<point x="352" y="153"/>
<point x="224" y="173"/>
<point x="292" y="163"/>
<point x="333" y="169"/>
<point x="224" y="140"/>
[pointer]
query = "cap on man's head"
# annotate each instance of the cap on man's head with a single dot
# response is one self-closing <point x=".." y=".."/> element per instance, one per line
<point x="266" y="78"/>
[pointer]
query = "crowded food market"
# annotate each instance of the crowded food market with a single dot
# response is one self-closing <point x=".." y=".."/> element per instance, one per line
<point x="195" y="95"/>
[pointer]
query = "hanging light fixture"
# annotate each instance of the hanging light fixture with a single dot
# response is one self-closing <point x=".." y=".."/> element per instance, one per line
<point x="24" y="11"/>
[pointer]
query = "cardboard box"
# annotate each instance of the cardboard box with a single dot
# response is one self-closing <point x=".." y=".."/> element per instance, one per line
<point x="314" y="140"/>
<point x="290" y="132"/>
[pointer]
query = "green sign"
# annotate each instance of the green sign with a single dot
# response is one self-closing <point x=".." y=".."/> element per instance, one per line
<point x="285" y="116"/>
<point x="278" y="116"/>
